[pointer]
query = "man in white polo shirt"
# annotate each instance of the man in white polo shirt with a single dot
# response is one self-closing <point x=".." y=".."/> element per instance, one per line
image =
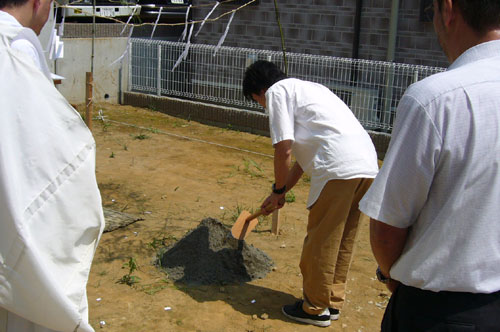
<point x="330" y="145"/>
<point x="435" y="227"/>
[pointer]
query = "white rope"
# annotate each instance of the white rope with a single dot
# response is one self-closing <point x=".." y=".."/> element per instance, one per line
<point x="189" y="138"/>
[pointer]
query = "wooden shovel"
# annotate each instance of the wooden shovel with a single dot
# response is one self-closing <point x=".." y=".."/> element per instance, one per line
<point x="245" y="223"/>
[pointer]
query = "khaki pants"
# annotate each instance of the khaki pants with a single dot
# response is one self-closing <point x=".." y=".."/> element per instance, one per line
<point x="328" y="246"/>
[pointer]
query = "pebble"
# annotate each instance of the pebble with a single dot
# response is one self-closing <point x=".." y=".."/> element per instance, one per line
<point x="283" y="246"/>
<point x="98" y="299"/>
<point x="167" y="308"/>
<point x="253" y="301"/>
<point x="254" y="317"/>
<point x="264" y="316"/>
<point x="102" y="323"/>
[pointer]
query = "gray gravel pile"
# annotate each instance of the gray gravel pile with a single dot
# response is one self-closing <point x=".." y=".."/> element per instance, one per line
<point x="210" y="255"/>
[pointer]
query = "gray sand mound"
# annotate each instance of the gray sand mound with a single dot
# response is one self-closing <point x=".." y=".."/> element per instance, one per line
<point x="210" y="255"/>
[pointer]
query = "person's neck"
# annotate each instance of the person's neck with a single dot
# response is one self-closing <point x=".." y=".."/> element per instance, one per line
<point x="23" y="14"/>
<point x="469" y="38"/>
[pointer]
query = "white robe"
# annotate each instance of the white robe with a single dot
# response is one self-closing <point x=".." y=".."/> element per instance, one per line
<point x="51" y="215"/>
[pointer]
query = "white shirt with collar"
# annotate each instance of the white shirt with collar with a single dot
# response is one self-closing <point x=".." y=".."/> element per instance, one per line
<point x="441" y="177"/>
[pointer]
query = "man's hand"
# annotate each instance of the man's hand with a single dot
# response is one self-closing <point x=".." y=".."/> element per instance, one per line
<point x="273" y="202"/>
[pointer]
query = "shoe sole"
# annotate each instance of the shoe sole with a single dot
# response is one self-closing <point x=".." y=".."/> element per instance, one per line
<point x="334" y="317"/>
<point x="325" y="323"/>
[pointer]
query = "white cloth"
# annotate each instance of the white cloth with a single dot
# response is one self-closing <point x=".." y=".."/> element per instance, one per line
<point x="27" y="42"/>
<point x="329" y="142"/>
<point x="441" y="177"/>
<point x="51" y="215"/>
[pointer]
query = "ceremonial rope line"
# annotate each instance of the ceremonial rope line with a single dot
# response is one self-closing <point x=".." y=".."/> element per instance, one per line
<point x="102" y="118"/>
<point x="173" y="24"/>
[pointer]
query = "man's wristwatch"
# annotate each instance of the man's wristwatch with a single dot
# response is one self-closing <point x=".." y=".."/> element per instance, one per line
<point x="382" y="278"/>
<point x="280" y="190"/>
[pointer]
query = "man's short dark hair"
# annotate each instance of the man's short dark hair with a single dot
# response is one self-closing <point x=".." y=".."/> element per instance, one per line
<point x="260" y="76"/>
<point x="480" y="15"/>
<point x="12" y="3"/>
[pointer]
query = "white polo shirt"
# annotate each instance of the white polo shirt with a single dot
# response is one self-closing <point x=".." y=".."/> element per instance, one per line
<point x="441" y="177"/>
<point x="328" y="141"/>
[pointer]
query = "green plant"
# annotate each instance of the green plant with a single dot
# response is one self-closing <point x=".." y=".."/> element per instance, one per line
<point x="252" y="168"/>
<point x="290" y="197"/>
<point x="141" y="136"/>
<point x="128" y="278"/>
<point x="125" y="147"/>
<point x="112" y="155"/>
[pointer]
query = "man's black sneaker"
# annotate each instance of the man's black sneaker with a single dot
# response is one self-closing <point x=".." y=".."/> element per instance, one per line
<point x="295" y="312"/>
<point x="334" y="313"/>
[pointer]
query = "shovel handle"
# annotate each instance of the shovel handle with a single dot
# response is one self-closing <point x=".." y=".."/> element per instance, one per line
<point x="258" y="213"/>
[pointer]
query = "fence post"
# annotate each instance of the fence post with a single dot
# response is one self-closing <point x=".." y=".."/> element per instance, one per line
<point x="158" y="72"/>
<point x="129" y="76"/>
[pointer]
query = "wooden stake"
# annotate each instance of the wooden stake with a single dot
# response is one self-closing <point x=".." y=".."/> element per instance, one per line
<point x="88" y="99"/>
<point x="276" y="222"/>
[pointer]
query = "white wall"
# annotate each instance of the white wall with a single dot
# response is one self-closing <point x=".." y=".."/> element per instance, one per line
<point x="77" y="61"/>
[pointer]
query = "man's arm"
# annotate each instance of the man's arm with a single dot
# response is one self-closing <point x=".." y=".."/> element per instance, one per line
<point x="387" y="244"/>
<point x="282" y="162"/>
<point x="283" y="175"/>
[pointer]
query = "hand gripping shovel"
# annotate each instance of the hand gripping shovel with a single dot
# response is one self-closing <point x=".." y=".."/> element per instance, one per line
<point x="245" y="223"/>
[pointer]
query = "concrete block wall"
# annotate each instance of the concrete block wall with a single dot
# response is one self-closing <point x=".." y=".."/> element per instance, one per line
<point x="325" y="27"/>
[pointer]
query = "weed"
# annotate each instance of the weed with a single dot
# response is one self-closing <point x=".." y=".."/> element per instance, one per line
<point x="152" y="289"/>
<point x="125" y="147"/>
<point x="154" y="130"/>
<point x="306" y="178"/>
<point x="252" y="168"/>
<point x="128" y="278"/>
<point x="112" y="155"/>
<point x="152" y="107"/>
<point x="157" y="243"/>
<point x="141" y="137"/>
<point x="290" y="197"/>
<point x="105" y="125"/>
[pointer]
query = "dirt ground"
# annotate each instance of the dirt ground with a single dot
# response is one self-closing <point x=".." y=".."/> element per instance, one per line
<point x="172" y="174"/>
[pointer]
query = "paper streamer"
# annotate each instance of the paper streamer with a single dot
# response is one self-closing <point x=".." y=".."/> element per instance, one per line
<point x="156" y="23"/>
<point x="120" y="58"/>
<point x="51" y="38"/>
<point x="61" y="25"/>
<point x="186" y="49"/>
<point x="126" y="24"/>
<point x="221" y="40"/>
<point x="183" y="36"/>
<point x="206" y="17"/>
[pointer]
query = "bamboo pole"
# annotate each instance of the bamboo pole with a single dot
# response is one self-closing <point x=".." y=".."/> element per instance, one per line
<point x="89" y="83"/>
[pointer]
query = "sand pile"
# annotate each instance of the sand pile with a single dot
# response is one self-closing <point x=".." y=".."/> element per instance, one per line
<point x="210" y="255"/>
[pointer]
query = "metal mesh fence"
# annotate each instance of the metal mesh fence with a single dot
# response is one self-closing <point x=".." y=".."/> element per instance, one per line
<point x="372" y="89"/>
